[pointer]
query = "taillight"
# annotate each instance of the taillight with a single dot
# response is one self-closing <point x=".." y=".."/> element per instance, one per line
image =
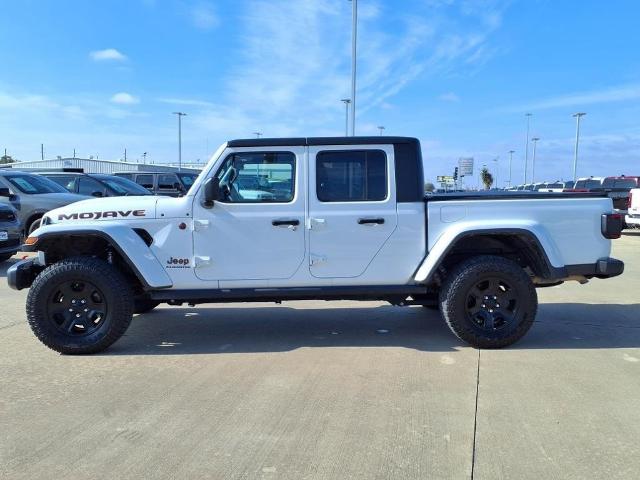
<point x="611" y="225"/>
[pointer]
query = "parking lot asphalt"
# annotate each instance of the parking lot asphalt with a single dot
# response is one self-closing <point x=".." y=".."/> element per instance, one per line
<point x="331" y="390"/>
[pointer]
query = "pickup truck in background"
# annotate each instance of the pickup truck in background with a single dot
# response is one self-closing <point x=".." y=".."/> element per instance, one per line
<point x="632" y="218"/>
<point x="312" y="218"/>
<point x="617" y="189"/>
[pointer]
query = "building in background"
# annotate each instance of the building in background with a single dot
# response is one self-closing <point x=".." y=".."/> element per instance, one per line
<point x="90" y="165"/>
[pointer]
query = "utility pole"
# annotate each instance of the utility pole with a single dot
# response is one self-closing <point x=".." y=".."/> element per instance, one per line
<point x="511" y="152"/>
<point x="381" y="128"/>
<point x="125" y="154"/>
<point x="526" y="149"/>
<point x="42" y="151"/>
<point x="497" y="162"/>
<point x="257" y="134"/>
<point x="144" y="158"/>
<point x="346" y="102"/>
<point x="180" y="115"/>
<point x="577" y="116"/>
<point x="354" y="41"/>
<point x="533" y="172"/>
<point x="74" y="153"/>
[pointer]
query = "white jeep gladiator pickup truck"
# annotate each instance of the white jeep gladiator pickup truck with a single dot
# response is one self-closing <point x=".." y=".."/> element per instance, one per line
<point x="312" y="218"/>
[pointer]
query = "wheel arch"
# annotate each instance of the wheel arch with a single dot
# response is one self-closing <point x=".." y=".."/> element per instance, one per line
<point x="129" y="245"/>
<point x="521" y="244"/>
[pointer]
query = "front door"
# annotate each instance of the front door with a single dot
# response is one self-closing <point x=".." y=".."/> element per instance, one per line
<point x="256" y="231"/>
<point x="352" y="207"/>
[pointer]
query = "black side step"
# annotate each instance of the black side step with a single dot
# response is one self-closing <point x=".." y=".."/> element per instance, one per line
<point x="395" y="293"/>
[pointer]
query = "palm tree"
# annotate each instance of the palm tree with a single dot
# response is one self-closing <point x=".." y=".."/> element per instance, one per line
<point x="487" y="178"/>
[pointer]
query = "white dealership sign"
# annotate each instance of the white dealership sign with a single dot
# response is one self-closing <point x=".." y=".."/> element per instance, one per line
<point x="465" y="167"/>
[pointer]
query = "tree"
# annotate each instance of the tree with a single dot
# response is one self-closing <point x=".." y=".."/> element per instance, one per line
<point x="487" y="178"/>
<point x="429" y="187"/>
<point x="6" y="159"/>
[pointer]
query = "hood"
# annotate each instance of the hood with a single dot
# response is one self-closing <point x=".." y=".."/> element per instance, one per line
<point x="110" y="208"/>
<point x="62" y="198"/>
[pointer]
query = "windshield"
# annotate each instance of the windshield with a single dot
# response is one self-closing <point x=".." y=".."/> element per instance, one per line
<point x="188" y="179"/>
<point x="554" y="185"/>
<point x="588" y="184"/>
<point x="619" y="183"/>
<point x="34" y="184"/>
<point x="123" y="186"/>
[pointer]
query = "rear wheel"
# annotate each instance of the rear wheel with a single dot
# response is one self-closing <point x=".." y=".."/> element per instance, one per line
<point x="79" y="305"/>
<point x="489" y="302"/>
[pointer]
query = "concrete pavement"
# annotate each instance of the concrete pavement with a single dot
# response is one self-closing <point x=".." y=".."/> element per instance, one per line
<point x="331" y="390"/>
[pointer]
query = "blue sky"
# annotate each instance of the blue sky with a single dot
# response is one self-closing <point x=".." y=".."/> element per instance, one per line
<point x="459" y="75"/>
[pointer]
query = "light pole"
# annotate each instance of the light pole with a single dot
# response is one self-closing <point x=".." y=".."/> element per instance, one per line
<point x="577" y="116"/>
<point x="497" y="160"/>
<point x="511" y="152"/>
<point x="346" y="102"/>
<point x="257" y="134"/>
<point x="180" y="115"/>
<point x="533" y="171"/>
<point x="526" y="149"/>
<point x="381" y="128"/>
<point x="354" y="40"/>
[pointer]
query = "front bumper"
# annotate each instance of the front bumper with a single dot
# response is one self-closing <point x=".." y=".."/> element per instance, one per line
<point x="22" y="274"/>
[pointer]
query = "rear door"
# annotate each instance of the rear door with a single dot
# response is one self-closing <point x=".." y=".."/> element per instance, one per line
<point x="352" y="207"/>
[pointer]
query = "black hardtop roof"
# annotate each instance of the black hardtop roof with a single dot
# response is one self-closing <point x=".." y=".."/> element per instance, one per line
<point x="304" y="141"/>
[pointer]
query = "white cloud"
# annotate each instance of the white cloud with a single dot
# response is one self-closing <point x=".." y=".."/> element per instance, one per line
<point x="108" y="55"/>
<point x="124" y="98"/>
<point x="449" y="97"/>
<point x="204" y="16"/>
<point x="607" y="95"/>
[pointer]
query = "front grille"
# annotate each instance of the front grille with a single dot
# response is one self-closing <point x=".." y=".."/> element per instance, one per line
<point x="7" y="215"/>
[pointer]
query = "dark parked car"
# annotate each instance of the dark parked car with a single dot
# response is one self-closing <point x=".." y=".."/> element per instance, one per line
<point x="10" y="232"/>
<point x="162" y="183"/>
<point x="96" y="184"/>
<point x="618" y="188"/>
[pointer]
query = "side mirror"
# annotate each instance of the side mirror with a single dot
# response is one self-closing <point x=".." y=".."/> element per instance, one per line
<point x="211" y="191"/>
<point x="4" y="192"/>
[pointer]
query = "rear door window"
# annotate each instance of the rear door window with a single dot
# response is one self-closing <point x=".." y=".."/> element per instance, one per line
<point x="168" y="181"/>
<point x="351" y="176"/>
<point x="145" y="180"/>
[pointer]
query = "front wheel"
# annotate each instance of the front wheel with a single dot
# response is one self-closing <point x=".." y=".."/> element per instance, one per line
<point x="488" y="301"/>
<point x="79" y="305"/>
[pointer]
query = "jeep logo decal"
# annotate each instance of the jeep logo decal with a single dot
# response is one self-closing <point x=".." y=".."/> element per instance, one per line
<point x="99" y="215"/>
<point x="178" y="263"/>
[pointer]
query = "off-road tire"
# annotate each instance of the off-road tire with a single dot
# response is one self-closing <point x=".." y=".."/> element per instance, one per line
<point x="144" y="305"/>
<point x="116" y="295"/>
<point x="457" y="293"/>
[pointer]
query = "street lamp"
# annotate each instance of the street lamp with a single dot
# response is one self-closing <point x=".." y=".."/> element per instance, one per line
<point x="354" y="38"/>
<point x="257" y="134"/>
<point x="381" y="128"/>
<point x="577" y="116"/>
<point x="180" y="115"/>
<point x="511" y="152"/>
<point x="346" y="102"/>
<point x="533" y="171"/>
<point x="497" y="160"/>
<point x="526" y="149"/>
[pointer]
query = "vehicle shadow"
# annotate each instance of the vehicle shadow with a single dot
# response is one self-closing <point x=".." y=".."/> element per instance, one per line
<point x="205" y="330"/>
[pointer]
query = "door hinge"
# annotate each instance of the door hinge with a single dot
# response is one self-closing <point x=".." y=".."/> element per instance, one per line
<point x="316" y="259"/>
<point x="199" y="225"/>
<point x="201" y="261"/>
